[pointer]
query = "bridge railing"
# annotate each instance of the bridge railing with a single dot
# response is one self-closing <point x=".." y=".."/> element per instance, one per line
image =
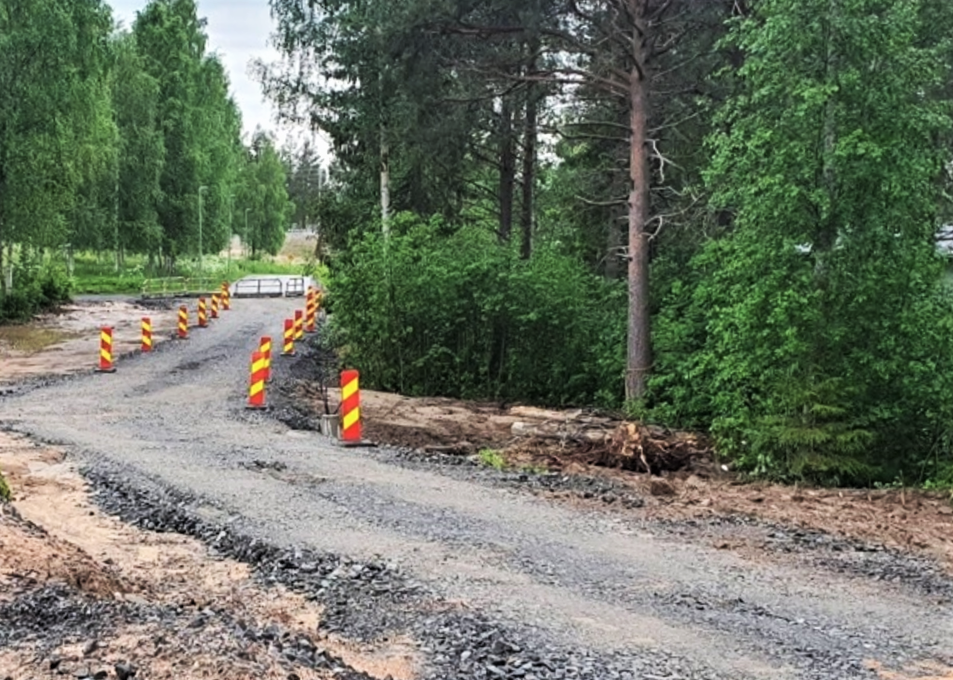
<point x="179" y="286"/>
<point x="262" y="286"/>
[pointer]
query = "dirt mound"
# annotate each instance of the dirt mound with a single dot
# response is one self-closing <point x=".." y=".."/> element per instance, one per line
<point x="29" y="554"/>
<point x="82" y="592"/>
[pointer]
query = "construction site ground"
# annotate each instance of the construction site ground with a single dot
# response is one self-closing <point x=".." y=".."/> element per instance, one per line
<point x="160" y="528"/>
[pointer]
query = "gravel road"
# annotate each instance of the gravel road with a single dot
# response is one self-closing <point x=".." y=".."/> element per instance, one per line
<point x="492" y="581"/>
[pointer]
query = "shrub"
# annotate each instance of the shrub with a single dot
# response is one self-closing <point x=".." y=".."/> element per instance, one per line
<point x="435" y="311"/>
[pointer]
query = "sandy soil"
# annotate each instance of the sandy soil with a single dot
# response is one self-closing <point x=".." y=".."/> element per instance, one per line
<point x="65" y="539"/>
<point x="898" y="518"/>
<point x="68" y="341"/>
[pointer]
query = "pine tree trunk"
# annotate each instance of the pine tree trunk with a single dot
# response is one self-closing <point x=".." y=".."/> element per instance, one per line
<point x="385" y="182"/>
<point x="507" y="168"/>
<point x="639" y="351"/>
<point x="613" y="268"/>
<point x="8" y="272"/>
<point x="528" y="207"/>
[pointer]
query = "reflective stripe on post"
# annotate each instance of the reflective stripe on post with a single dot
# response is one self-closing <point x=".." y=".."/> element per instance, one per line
<point x="106" y="350"/>
<point x="183" y="328"/>
<point x="203" y="313"/>
<point x="214" y="305"/>
<point x="264" y="346"/>
<point x="288" y="349"/>
<point x="350" y="407"/>
<point x="299" y="324"/>
<point x="310" y="313"/>
<point x="146" y="334"/>
<point x="256" y="386"/>
<point x="226" y="297"/>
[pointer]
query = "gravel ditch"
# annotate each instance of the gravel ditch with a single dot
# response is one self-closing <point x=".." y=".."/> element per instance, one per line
<point x="824" y="551"/>
<point x="371" y="600"/>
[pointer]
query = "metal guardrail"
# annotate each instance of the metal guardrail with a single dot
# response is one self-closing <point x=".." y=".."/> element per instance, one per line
<point x="179" y="286"/>
<point x="294" y="287"/>
<point x="258" y="287"/>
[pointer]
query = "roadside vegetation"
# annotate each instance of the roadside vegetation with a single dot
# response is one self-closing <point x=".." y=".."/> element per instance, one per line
<point x="727" y="225"/>
<point x="121" y="155"/>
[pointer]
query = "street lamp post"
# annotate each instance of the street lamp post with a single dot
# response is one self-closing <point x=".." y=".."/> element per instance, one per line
<point x="231" y="212"/>
<point x="245" y="240"/>
<point x="201" y="267"/>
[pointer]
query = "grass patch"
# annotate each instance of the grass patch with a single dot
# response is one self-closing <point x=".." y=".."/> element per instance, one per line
<point x="493" y="459"/>
<point x="4" y="490"/>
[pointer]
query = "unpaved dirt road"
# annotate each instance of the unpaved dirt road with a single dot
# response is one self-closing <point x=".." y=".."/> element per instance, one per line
<point x="609" y="594"/>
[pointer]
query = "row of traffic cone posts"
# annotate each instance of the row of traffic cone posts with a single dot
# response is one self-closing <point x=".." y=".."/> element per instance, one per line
<point x="294" y="329"/>
<point x="107" y="362"/>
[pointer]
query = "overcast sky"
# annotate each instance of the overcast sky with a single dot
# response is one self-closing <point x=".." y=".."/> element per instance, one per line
<point x="238" y="31"/>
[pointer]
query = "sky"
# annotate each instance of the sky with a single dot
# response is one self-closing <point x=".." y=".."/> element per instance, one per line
<point x="238" y="30"/>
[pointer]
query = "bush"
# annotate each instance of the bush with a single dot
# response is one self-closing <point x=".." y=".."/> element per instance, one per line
<point x="4" y="490"/>
<point x="35" y="290"/>
<point x="435" y="311"/>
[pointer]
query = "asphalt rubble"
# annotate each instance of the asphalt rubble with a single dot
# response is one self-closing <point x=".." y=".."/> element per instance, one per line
<point x="373" y="600"/>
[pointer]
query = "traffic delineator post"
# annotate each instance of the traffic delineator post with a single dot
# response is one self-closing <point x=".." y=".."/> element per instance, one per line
<point x="350" y="407"/>
<point x="183" y="328"/>
<point x="203" y="313"/>
<point x="106" y="350"/>
<point x="146" y="334"/>
<point x="214" y="305"/>
<point x="288" y="347"/>
<point x="264" y="346"/>
<point x="310" y="312"/>
<point x="256" y="387"/>
<point x="298" y="325"/>
<point x="226" y="296"/>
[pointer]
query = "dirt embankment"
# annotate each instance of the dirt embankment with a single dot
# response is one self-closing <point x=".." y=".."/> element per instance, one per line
<point x="687" y="482"/>
<point x="67" y="341"/>
<point x="84" y="595"/>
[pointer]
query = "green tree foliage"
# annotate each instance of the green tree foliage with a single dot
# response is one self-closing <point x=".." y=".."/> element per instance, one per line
<point x="814" y="334"/>
<point x="135" y="100"/>
<point x="52" y="59"/>
<point x="105" y="138"/>
<point x="427" y="313"/>
<point x="265" y="196"/>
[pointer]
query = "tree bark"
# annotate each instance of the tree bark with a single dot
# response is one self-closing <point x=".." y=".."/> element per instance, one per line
<point x="507" y="168"/>
<point x="639" y="354"/>
<point x="385" y="182"/>
<point x="528" y="207"/>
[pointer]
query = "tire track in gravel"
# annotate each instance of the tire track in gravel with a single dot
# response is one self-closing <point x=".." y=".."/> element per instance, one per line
<point x="567" y="579"/>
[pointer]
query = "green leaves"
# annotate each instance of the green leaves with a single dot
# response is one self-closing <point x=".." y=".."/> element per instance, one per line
<point x="805" y="319"/>
<point x="462" y="315"/>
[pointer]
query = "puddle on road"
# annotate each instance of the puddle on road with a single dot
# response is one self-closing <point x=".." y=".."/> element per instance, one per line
<point x="30" y="339"/>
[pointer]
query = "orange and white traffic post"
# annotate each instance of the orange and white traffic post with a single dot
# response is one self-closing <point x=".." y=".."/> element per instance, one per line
<point x="311" y="311"/>
<point x="288" y="348"/>
<point x="106" y="350"/>
<point x="264" y="346"/>
<point x="226" y="296"/>
<point x="256" y="387"/>
<point x="214" y="305"/>
<point x="350" y="407"/>
<point x="203" y="313"/>
<point x="183" y="328"/>
<point x="299" y="324"/>
<point x="146" y="334"/>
